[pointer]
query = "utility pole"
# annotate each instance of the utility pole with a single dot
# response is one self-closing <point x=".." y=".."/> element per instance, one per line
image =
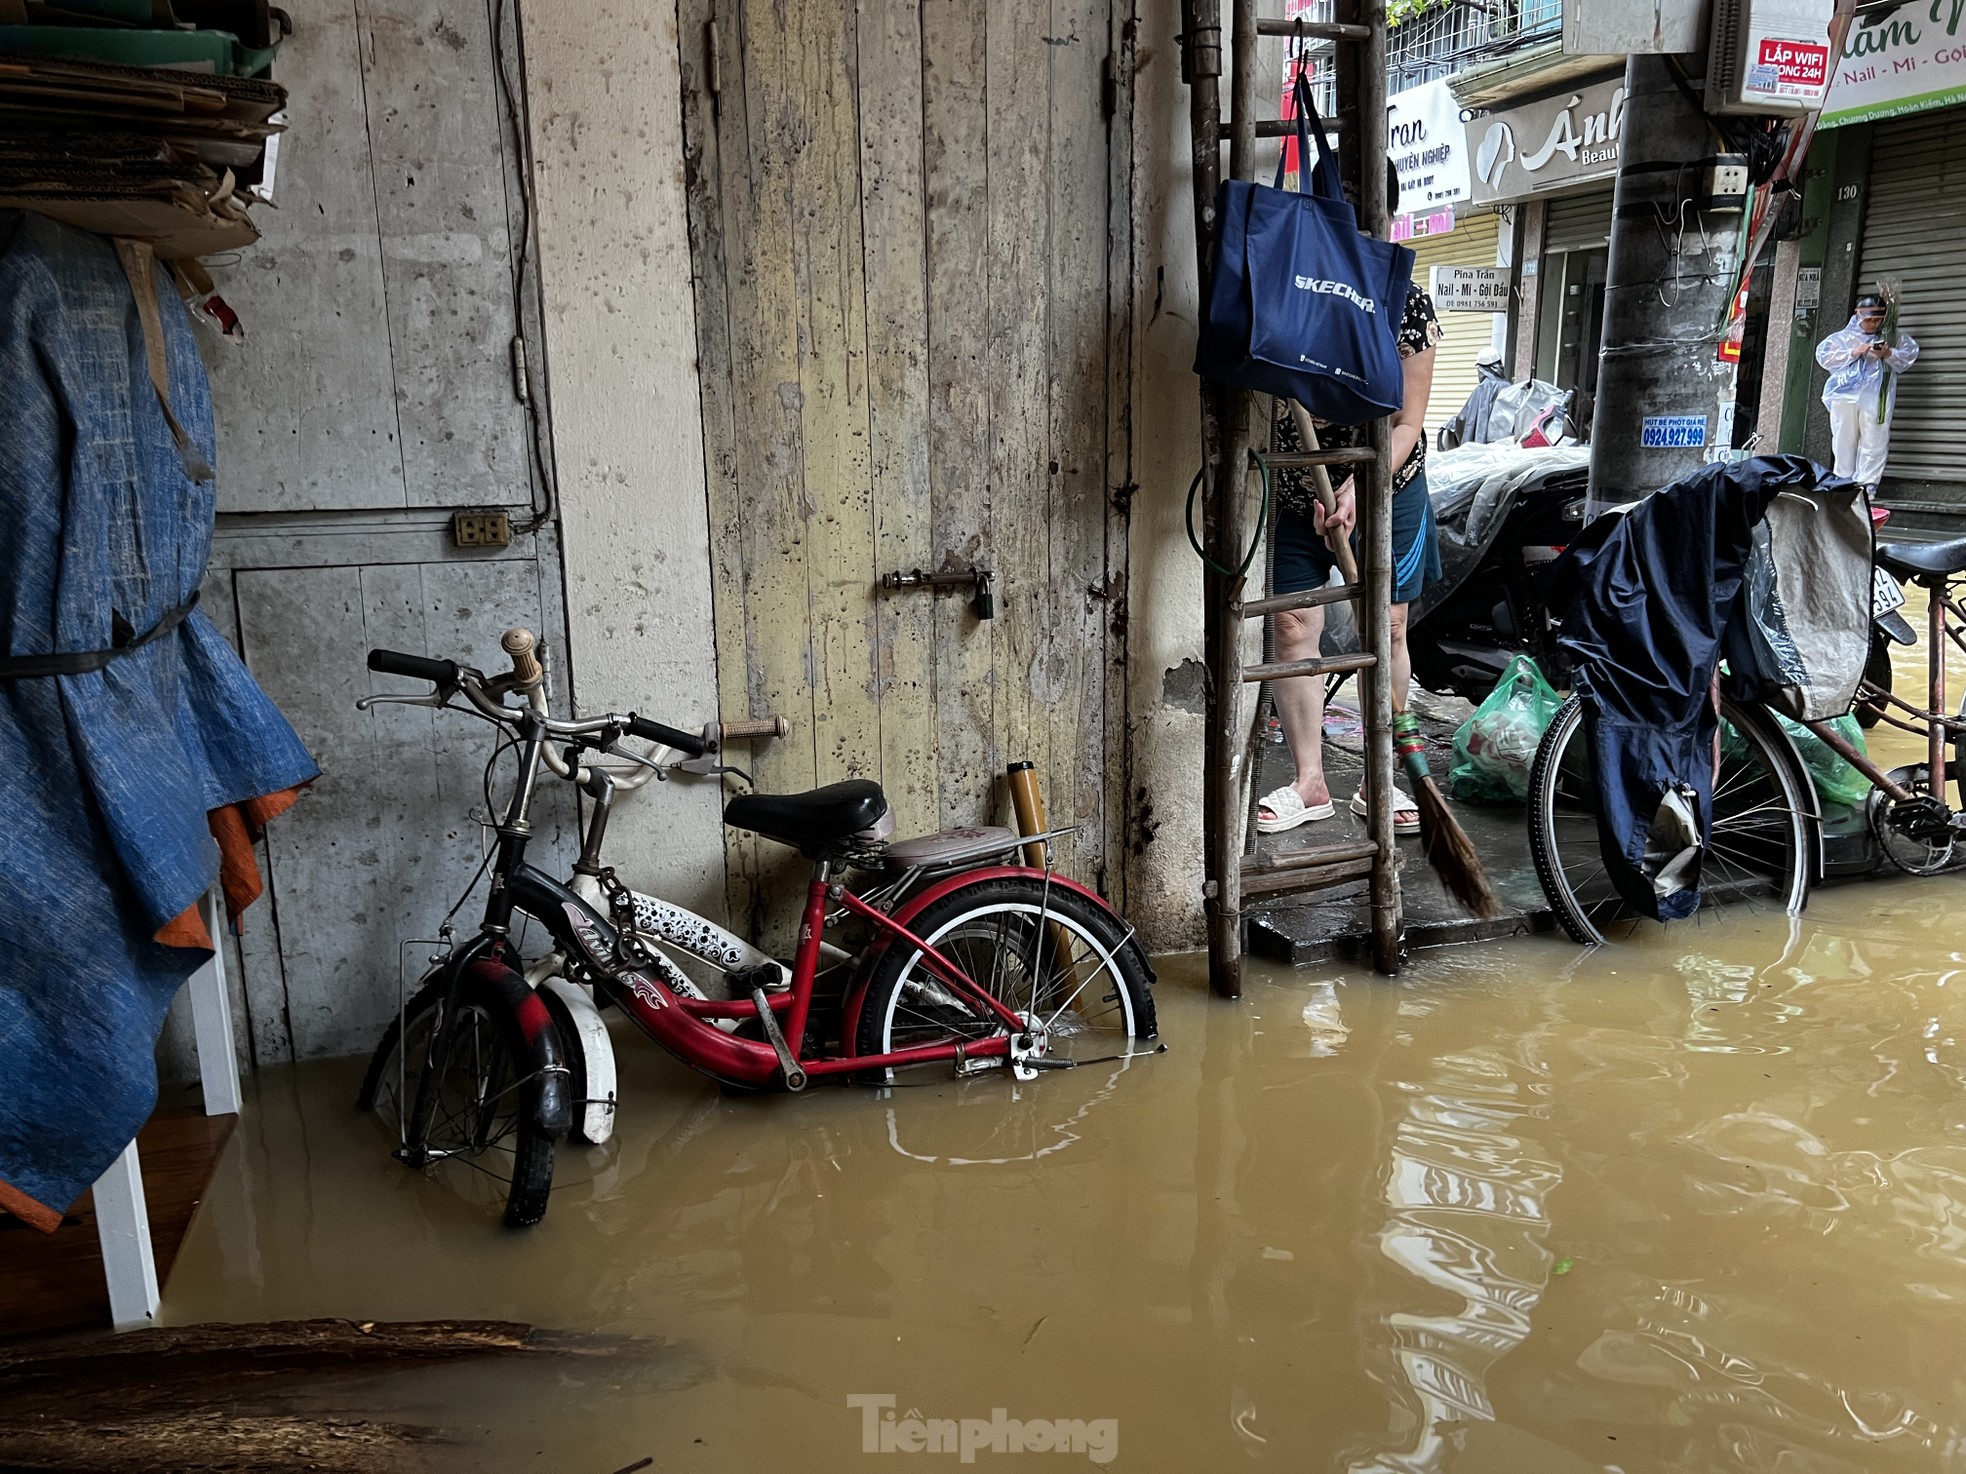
<point x="1668" y="285"/>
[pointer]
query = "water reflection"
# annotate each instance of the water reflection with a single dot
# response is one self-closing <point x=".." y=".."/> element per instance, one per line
<point x="1467" y="1189"/>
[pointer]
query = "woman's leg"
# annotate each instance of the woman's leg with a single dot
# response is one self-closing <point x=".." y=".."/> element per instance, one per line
<point x="1300" y="702"/>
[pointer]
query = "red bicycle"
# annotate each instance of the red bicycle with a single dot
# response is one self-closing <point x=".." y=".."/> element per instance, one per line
<point x="1000" y="967"/>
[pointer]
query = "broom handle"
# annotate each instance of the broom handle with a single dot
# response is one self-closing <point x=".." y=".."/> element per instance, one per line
<point x="1340" y="544"/>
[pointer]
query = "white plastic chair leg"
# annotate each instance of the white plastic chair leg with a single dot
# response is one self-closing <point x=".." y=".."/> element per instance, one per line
<point x="123" y="1224"/>
<point x="211" y="1020"/>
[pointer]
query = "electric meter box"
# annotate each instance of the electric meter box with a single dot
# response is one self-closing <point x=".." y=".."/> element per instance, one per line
<point x="1769" y="56"/>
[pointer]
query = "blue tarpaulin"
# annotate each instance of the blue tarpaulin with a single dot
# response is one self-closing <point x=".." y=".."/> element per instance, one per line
<point x="107" y="777"/>
<point x="1649" y="597"/>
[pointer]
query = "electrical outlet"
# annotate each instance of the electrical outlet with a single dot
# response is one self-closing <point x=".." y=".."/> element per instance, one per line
<point x="1727" y="183"/>
<point x="481" y="529"/>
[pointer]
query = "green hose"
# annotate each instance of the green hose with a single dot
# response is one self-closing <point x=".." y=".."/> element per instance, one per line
<point x="1262" y="521"/>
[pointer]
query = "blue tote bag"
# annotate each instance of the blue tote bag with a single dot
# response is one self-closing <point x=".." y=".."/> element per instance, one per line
<point x="1302" y="305"/>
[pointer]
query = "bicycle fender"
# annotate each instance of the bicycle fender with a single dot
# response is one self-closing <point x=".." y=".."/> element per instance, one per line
<point x="585" y="1031"/>
<point x="552" y="1110"/>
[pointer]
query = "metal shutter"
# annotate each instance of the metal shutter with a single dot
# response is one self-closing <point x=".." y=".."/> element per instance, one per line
<point x="1465" y="336"/>
<point x="1917" y="164"/>
<point x="1578" y="222"/>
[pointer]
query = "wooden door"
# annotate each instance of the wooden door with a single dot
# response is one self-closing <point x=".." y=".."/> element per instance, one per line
<point x="908" y="300"/>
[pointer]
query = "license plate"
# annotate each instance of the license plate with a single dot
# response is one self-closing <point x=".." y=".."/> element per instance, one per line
<point x="1885" y="595"/>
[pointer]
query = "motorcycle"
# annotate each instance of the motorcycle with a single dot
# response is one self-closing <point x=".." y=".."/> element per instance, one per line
<point x="1497" y="538"/>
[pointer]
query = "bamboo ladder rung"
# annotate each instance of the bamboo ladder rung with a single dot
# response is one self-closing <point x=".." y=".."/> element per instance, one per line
<point x="1329" y="665"/>
<point x="1307" y="877"/>
<point x="1316" y="30"/>
<point x="1287" y="127"/>
<point x="1337" y="593"/>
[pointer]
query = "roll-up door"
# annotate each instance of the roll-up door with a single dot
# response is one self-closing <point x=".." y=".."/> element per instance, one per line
<point x="1465" y="336"/>
<point x="1918" y="166"/>
<point x="1578" y="222"/>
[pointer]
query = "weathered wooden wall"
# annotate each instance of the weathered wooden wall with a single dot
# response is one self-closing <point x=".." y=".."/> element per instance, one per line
<point x="908" y="319"/>
<point x="374" y="392"/>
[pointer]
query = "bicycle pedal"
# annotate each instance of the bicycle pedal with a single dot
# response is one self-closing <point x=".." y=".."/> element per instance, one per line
<point x="766" y="975"/>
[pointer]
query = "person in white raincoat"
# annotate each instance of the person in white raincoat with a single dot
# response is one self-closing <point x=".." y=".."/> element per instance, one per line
<point x="1857" y="395"/>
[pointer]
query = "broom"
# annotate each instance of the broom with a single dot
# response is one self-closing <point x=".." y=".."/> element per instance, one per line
<point x="1442" y="839"/>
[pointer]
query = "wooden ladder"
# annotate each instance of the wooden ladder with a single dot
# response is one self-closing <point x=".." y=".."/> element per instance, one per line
<point x="1231" y="873"/>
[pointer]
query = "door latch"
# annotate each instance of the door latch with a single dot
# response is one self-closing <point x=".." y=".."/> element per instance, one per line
<point x="980" y="581"/>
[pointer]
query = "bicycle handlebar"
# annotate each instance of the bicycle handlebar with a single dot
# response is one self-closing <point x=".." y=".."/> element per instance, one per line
<point x="522" y="646"/>
<point x="416" y="667"/>
<point x="668" y="736"/>
<point x="528" y="676"/>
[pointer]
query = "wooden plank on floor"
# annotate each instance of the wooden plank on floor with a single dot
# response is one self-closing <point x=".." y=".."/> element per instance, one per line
<point x="54" y="1282"/>
<point x="956" y="173"/>
<point x="890" y="71"/>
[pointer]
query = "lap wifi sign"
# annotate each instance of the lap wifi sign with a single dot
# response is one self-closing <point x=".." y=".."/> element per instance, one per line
<point x="1768" y="56"/>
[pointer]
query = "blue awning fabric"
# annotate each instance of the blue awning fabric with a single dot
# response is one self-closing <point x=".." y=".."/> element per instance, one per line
<point x="109" y="778"/>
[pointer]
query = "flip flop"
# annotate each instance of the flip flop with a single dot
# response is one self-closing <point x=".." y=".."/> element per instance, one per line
<point x="1288" y="810"/>
<point x="1401" y="805"/>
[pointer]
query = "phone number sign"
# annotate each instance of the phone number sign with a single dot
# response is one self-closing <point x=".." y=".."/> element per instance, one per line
<point x="1470" y="288"/>
<point x="1673" y="432"/>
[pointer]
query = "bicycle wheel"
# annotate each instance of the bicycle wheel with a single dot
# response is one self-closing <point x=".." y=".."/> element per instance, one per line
<point x="484" y="1118"/>
<point x="1040" y="950"/>
<point x="1760" y="850"/>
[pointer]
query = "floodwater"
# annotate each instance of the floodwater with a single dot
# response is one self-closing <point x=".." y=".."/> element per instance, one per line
<point x="1693" y="1204"/>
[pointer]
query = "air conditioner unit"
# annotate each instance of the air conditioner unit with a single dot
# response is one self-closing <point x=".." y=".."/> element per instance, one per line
<point x="1769" y="56"/>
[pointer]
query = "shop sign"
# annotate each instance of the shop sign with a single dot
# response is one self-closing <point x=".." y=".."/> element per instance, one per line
<point x="1569" y="138"/>
<point x="1470" y="288"/>
<point x="1673" y="432"/>
<point x="1421" y="227"/>
<point x="1907" y="59"/>
<point x="1428" y="144"/>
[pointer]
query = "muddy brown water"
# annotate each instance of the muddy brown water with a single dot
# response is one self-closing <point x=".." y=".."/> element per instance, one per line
<point x="1694" y="1204"/>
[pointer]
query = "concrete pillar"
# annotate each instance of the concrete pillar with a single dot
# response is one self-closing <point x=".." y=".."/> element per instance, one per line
<point x="1528" y="291"/>
<point x="603" y="91"/>
<point x="1665" y="290"/>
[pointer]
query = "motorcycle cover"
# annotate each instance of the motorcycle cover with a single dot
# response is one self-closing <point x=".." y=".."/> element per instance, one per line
<point x="1803" y="645"/>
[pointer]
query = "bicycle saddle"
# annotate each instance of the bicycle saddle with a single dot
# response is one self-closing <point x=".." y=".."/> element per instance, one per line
<point x="1909" y="560"/>
<point x="813" y="821"/>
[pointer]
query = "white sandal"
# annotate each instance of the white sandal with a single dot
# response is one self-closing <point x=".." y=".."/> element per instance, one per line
<point x="1402" y="806"/>
<point x="1288" y="810"/>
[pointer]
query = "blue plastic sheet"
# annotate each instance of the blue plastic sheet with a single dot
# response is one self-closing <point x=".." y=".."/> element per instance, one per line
<point x="106" y="778"/>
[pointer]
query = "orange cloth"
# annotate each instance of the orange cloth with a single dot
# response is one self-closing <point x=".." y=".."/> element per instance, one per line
<point x="237" y="828"/>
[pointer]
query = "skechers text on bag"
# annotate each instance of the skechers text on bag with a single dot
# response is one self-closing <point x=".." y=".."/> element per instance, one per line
<point x="1301" y="305"/>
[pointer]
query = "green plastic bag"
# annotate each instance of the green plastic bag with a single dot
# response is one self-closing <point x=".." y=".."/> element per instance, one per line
<point x="1835" y="779"/>
<point x="1495" y="747"/>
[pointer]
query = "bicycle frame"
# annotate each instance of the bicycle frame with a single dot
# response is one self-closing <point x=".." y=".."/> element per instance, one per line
<point x="1933" y="723"/>
<point x="686" y="1027"/>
